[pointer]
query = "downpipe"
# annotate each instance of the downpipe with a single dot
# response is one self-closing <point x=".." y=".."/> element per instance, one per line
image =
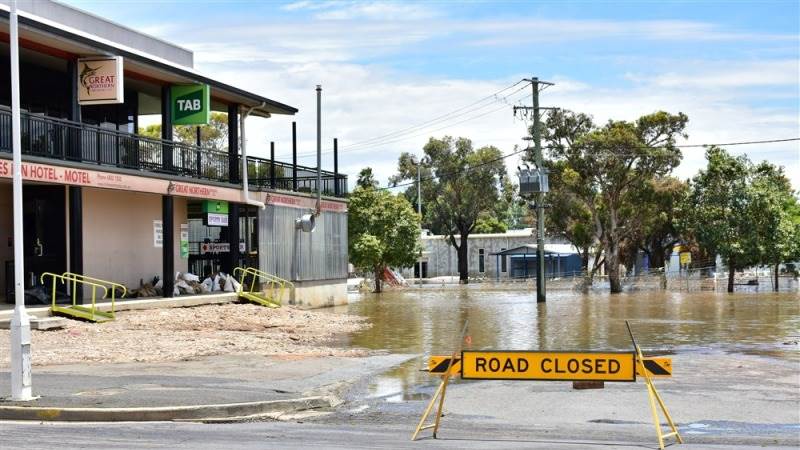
<point x="245" y="182"/>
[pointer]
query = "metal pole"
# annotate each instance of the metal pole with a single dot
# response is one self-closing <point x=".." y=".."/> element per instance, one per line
<point x="21" y="389"/>
<point x="336" y="190"/>
<point x="319" y="149"/>
<point x="294" y="156"/>
<point x="419" y="211"/>
<point x="537" y="147"/>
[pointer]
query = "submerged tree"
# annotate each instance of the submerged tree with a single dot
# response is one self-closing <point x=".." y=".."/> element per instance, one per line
<point x="460" y="185"/>
<point x="719" y="209"/>
<point x="605" y="169"/>
<point x="383" y="230"/>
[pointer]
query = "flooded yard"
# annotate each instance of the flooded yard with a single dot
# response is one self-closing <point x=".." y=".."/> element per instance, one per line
<point x="429" y="322"/>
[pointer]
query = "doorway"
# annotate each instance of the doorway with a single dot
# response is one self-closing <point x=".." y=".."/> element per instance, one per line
<point x="45" y="223"/>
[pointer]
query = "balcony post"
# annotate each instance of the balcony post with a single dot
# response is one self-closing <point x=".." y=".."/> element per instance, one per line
<point x="232" y="261"/>
<point x="73" y="138"/>
<point x="166" y="129"/>
<point x="336" y="191"/>
<point x="272" y="165"/>
<point x="233" y="143"/>
<point x="294" y="156"/>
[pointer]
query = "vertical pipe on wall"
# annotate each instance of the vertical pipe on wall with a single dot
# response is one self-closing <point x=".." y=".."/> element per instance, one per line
<point x="319" y="149"/>
<point x="167" y="245"/>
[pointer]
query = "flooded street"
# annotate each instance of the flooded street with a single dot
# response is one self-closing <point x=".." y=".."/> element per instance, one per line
<point x="427" y="322"/>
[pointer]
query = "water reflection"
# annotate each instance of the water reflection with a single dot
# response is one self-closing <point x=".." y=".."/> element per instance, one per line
<point x="428" y="322"/>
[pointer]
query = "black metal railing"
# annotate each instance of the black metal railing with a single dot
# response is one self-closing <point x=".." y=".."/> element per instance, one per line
<point x="265" y="174"/>
<point x="49" y="137"/>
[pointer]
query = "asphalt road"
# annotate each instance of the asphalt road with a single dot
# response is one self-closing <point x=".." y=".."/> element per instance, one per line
<point x="261" y="435"/>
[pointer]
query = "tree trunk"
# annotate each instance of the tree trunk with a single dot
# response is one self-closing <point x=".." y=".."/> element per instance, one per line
<point x="585" y="260"/>
<point x="775" y="286"/>
<point x="731" y="273"/>
<point x="657" y="257"/>
<point x="612" y="267"/>
<point x="463" y="261"/>
<point x="378" y="279"/>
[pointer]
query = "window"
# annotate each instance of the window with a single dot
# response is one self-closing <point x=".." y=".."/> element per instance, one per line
<point x="503" y="267"/>
<point x="481" y="266"/>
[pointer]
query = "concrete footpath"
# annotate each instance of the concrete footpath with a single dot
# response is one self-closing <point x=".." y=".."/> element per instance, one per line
<point x="215" y="387"/>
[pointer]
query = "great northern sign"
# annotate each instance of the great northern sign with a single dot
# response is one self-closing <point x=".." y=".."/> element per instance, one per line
<point x="561" y="366"/>
<point x="100" y="80"/>
<point x="190" y="104"/>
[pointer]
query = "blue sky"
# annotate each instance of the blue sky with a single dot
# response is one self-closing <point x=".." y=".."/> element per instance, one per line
<point x="733" y="67"/>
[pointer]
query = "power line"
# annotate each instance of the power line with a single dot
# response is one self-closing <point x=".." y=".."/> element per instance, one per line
<point x="728" y="144"/>
<point x="437" y="118"/>
<point x="404" y="134"/>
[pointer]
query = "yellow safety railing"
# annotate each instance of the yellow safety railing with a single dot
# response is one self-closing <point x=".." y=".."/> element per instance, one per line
<point x="274" y="284"/>
<point x="108" y="284"/>
<point x="76" y="310"/>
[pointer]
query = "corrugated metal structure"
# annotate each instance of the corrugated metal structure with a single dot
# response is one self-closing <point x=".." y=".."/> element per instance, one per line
<point x="292" y="254"/>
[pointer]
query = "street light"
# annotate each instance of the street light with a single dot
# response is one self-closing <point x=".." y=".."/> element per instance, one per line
<point x="20" y="322"/>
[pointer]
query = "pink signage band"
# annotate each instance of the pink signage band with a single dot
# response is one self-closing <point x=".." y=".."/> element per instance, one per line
<point x="106" y="180"/>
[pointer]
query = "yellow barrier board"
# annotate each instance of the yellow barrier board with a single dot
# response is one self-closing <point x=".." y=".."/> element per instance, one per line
<point x="657" y="366"/>
<point x="554" y="366"/>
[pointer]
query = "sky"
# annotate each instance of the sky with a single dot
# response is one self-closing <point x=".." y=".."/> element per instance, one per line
<point x="392" y="71"/>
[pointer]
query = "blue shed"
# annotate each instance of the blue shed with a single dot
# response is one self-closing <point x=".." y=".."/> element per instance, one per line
<point x="560" y="260"/>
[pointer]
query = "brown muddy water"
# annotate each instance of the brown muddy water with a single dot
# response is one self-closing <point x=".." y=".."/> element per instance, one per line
<point x="427" y="322"/>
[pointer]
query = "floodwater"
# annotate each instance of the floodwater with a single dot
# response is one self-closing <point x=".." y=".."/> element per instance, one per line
<point x="429" y="322"/>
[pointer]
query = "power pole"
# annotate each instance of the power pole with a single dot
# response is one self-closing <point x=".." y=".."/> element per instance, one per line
<point x="419" y="211"/>
<point x="539" y="201"/>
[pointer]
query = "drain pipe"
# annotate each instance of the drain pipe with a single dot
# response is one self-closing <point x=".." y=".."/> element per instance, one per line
<point x="319" y="150"/>
<point x="245" y="183"/>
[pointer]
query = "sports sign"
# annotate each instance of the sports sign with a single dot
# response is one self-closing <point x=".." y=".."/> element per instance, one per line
<point x="191" y="104"/>
<point x="560" y="366"/>
<point x="100" y="80"/>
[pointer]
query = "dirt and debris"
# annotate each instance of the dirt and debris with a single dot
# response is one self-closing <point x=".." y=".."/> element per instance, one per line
<point x="187" y="333"/>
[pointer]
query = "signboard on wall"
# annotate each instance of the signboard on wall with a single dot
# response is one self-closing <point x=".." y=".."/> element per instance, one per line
<point x="184" y="241"/>
<point x="158" y="233"/>
<point x="216" y="220"/>
<point x="191" y="104"/>
<point x="100" y="80"/>
<point x="219" y="247"/>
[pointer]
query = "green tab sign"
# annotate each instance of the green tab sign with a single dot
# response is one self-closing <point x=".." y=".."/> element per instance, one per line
<point x="191" y="104"/>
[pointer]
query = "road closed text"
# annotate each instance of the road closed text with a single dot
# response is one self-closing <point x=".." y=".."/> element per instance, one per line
<point x="548" y="366"/>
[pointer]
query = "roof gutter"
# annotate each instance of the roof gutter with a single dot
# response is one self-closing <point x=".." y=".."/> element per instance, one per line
<point x="245" y="183"/>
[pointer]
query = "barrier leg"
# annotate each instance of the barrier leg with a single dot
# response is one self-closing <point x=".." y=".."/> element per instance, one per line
<point x="666" y="412"/>
<point x="653" y="409"/>
<point x="421" y="426"/>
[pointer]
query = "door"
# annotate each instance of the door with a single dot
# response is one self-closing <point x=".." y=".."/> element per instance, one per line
<point x="44" y="222"/>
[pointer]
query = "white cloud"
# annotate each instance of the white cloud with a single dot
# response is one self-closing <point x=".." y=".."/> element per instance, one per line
<point x="363" y="10"/>
<point x="729" y="74"/>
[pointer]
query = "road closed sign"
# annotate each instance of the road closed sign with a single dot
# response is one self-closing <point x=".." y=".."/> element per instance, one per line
<point x="554" y="366"/>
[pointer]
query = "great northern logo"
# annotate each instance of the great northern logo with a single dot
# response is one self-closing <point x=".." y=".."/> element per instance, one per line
<point x="91" y="81"/>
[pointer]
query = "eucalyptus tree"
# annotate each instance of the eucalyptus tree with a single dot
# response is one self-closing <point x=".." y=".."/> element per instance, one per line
<point x="461" y="187"/>
<point x="383" y="229"/>
<point x="605" y="169"/>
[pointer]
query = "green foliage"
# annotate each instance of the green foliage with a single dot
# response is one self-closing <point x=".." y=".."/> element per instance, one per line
<point x="366" y="179"/>
<point x="490" y="224"/>
<point x="600" y="173"/>
<point x="459" y="185"/>
<point x="383" y="231"/>
<point x="214" y="135"/>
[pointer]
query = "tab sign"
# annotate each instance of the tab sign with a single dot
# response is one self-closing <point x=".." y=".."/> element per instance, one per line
<point x="562" y="366"/>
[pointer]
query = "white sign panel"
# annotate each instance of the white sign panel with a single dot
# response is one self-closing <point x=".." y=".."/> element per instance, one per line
<point x="219" y="247"/>
<point x="100" y="80"/>
<point x="217" y="220"/>
<point x="158" y="234"/>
